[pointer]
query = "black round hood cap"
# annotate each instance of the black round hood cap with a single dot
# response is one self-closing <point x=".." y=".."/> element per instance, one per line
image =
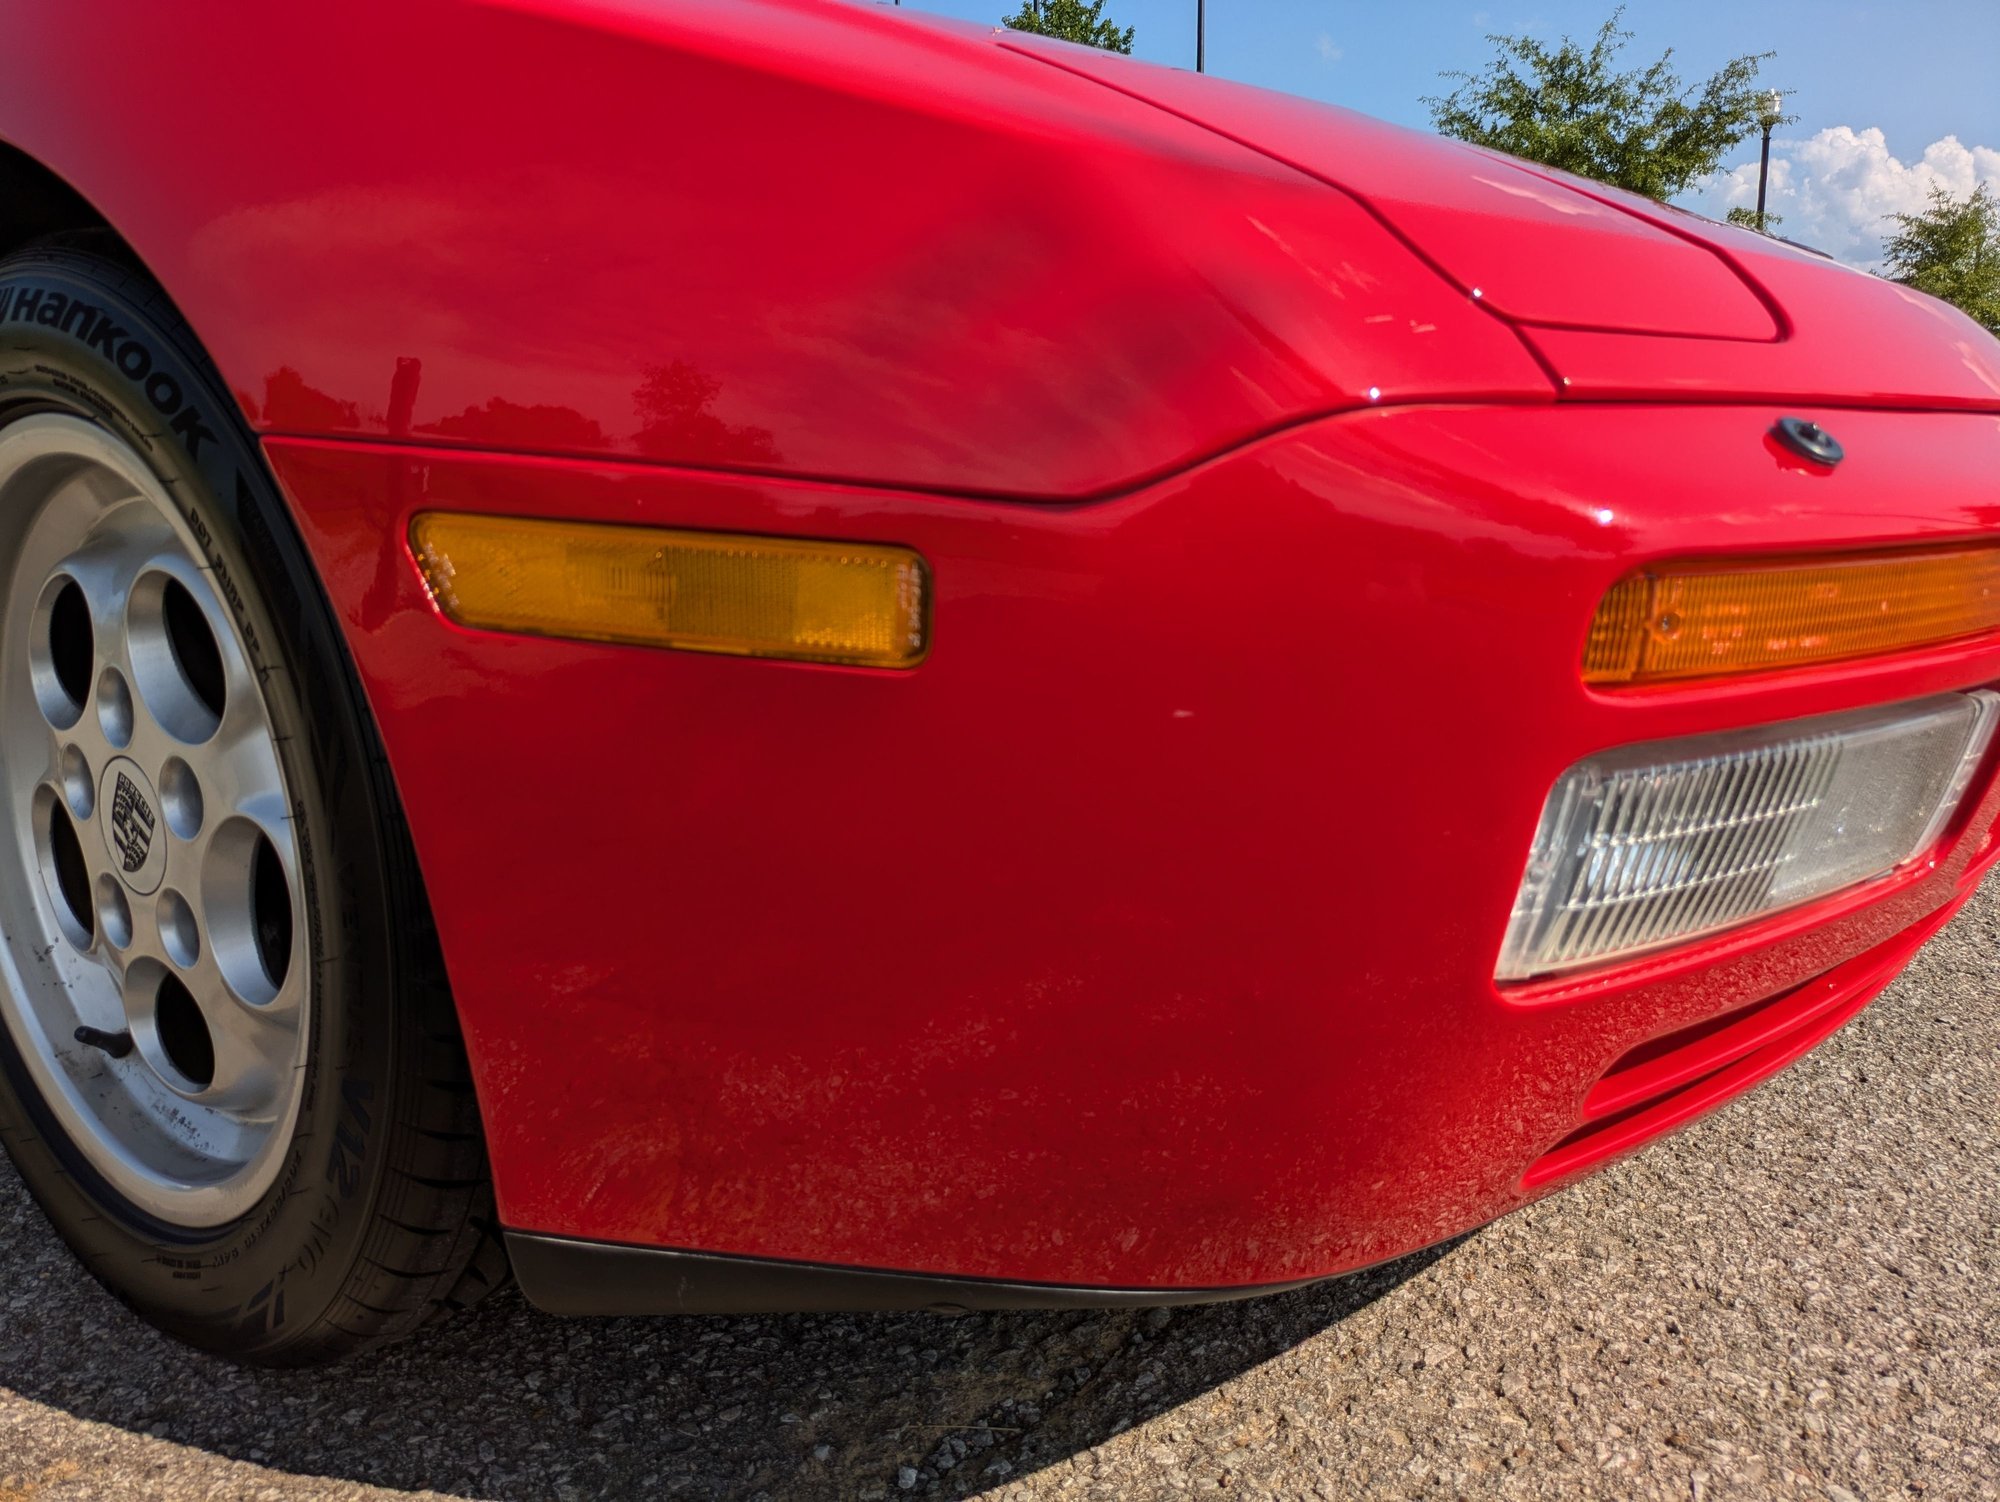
<point x="1809" y="440"/>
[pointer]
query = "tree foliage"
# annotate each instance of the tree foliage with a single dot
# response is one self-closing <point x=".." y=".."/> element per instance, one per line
<point x="1073" y="21"/>
<point x="1749" y="219"/>
<point x="1571" y="107"/>
<point x="1952" y="250"/>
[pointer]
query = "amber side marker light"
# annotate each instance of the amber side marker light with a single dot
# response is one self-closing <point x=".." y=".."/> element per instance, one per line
<point x="1702" y="620"/>
<point x="861" y="604"/>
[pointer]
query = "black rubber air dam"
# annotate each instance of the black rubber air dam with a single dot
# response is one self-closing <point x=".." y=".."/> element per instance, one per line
<point x="560" y="1275"/>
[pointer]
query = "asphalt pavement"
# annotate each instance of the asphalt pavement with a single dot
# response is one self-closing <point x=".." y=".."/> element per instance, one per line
<point x="1798" y="1298"/>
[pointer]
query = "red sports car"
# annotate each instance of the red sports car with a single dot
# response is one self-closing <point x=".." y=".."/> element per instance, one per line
<point x="766" y="655"/>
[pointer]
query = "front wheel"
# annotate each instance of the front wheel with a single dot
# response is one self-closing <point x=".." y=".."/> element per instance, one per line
<point x="229" y="1067"/>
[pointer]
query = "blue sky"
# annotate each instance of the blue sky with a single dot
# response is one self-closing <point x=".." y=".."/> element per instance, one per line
<point x="1891" y="98"/>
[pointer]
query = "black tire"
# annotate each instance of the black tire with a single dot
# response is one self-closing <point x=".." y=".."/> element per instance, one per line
<point x="382" y="1214"/>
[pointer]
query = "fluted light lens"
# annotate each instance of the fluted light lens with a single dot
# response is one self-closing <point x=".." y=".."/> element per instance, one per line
<point x="862" y="604"/>
<point x="1676" y="622"/>
<point x="1653" y="845"/>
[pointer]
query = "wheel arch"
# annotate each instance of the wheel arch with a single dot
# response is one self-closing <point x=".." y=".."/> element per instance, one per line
<point x="40" y="207"/>
<point x="35" y="201"/>
<point x="37" y="204"/>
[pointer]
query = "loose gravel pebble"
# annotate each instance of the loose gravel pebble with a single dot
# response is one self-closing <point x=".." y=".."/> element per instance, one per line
<point x="1798" y="1298"/>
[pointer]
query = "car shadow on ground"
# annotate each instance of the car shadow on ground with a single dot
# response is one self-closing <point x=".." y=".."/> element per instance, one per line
<point x="506" y="1403"/>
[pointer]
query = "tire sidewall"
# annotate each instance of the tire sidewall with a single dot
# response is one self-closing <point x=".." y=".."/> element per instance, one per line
<point x="81" y="335"/>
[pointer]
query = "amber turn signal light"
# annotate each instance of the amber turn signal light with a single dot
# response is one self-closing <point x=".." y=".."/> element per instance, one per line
<point x="862" y="604"/>
<point x="1700" y="620"/>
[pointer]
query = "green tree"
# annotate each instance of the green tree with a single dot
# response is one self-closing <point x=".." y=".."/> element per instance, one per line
<point x="1748" y="219"/>
<point x="1073" y="21"/>
<point x="1571" y="107"/>
<point x="1952" y="250"/>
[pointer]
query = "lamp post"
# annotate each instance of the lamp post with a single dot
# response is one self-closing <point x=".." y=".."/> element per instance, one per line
<point x="1200" y="35"/>
<point x="1774" y="111"/>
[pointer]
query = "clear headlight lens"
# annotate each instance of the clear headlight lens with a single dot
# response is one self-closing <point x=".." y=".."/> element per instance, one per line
<point x="1653" y="845"/>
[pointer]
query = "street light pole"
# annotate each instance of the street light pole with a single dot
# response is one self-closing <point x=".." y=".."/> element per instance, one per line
<point x="1774" y="111"/>
<point x="1200" y="35"/>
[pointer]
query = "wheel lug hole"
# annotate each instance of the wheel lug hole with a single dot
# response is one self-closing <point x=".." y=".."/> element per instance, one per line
<point x="63" y="652"/>
<point x="251" y="941"/>
<point x="178" y="666"/>
<point x="180" y="796"/>
<point x="114" y="707"/>
<point x="64" y="870"/>
<point x="79" y="786"/>
<point x="171" y="1029"/>
<point x="114" y="913"/>
<point x="178" y="931"/>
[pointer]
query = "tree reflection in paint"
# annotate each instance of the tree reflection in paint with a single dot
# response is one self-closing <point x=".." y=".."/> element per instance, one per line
<point x="673" y="403"/>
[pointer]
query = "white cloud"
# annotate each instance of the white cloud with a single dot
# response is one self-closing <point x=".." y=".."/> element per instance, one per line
<point x="1836" y="189"/>
<point x="1328" y="50"/>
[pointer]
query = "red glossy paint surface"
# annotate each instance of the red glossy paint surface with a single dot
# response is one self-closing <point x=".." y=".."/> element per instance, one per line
<point x="1533" y="249"/>
<point x="760" y="235"/>
<point x="833" y="241"/>
<point x="1145" y="934"/>
<point x="1544" y="244"/>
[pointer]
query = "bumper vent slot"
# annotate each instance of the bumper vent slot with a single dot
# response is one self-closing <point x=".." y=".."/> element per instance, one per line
<point x="1667" y="1082"/>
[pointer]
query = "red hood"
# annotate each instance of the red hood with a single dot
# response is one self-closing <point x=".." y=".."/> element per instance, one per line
<point x="1621" y="296"/>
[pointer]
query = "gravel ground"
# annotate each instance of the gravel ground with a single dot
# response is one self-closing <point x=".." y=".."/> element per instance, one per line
<point x="1798" y="1298"/>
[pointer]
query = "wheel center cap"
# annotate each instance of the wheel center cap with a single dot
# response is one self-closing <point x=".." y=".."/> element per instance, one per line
<point x="129" y="811"/>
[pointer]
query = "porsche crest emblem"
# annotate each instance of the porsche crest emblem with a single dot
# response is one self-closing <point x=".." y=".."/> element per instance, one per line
<point x="131" y="824"/>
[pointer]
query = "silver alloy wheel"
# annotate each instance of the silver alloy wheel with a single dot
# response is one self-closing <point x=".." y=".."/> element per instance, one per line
<point x="153" y="974"/>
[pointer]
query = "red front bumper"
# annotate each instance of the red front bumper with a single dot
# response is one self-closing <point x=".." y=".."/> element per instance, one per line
<point x="1144" y="936"/>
